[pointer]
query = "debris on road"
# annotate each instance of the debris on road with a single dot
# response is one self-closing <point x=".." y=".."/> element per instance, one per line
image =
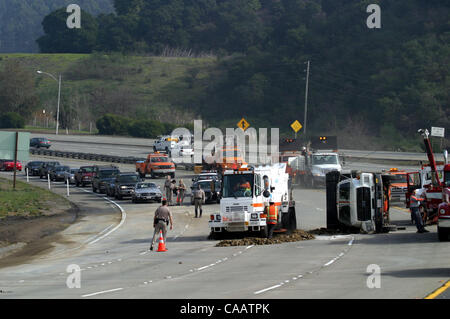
<point x="297" y="235"/>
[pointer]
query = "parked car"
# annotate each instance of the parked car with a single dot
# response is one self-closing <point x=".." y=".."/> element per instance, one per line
<point x="83" y="176"/>
<point x="144" y="192"/>
<point x="70" y="176"/>
<point x="102" y="175"/>
<point x="123" y="185"/>
<point x="33" y="167"/>
<point x="46" y="167"/>
<point x="8" y="165"/>
<point x="58" y="173"/>
<point x="39" y="142"/>
<point x="211" y="188"/>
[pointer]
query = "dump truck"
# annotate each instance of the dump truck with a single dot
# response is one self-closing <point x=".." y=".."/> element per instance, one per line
<point x="243" y="210"/>
<point x="308" y="163"/>
<point x="358" y="200"/>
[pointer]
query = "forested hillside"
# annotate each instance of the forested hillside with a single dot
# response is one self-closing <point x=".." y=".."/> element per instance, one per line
<point x="365" y="84"/>
<point x="20" y="20"/>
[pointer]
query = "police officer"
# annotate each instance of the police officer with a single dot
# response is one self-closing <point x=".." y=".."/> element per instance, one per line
<point x="199" y="199"/>
<point x="181" y="192"/>
<point x="415" y="200"/>
<point x="168" y="188"/>
<point x="161" y="220"/>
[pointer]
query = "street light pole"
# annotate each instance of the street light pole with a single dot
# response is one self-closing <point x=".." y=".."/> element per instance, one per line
<point x="306" y="97"/>
<point x="59" y="95"/>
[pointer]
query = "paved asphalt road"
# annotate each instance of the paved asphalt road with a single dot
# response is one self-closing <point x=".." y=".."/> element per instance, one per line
<point x="110" y="244"/>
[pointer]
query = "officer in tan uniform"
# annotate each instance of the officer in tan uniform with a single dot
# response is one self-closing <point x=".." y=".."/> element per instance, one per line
<point x="163" y="216"/>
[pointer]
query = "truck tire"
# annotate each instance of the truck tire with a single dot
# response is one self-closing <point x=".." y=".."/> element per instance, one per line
<point x="154" y="149"/>
<point x="332" y="179"/>
<point x="141" y="175"/>
<point x="118" y="197"/>
<point x="442" y="234"/>
<point x="214" y="235"/>
<point x="152" y="175"/>
<point x="172" y="175"/>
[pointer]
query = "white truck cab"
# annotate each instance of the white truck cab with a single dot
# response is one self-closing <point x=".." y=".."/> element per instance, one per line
<point x="244" y="194"/>
<point x="321" y="163"/>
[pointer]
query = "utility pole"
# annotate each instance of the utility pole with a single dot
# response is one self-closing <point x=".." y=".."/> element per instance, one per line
<point x="306" y="97"/>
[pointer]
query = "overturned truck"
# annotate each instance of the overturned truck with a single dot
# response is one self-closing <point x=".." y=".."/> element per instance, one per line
<point x="358" y="200"/>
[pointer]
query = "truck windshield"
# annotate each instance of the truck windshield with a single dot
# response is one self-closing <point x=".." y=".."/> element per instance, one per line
<point x="107" y="173"/>
<point x="324" y="159"/>
<point x="128" y="179"/>
<point x="146" y="185"/>
<point x="447" y="179"/>
<point x="238" y="185"/>
<point x="159" y="159"/>
<point x="398" y="178"/>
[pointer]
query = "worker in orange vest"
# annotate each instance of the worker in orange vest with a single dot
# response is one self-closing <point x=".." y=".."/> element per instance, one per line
<point x="272" y="218"/>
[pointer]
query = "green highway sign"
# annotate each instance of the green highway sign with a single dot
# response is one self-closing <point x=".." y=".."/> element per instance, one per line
<point x="8" y="146"/>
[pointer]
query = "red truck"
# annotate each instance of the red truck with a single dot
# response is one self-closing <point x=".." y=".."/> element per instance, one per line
<point x="156" y="164"/>
<point x="436" y="189"/>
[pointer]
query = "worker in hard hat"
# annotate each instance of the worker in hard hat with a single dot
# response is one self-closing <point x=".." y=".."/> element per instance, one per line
<point x="414" y="205"/>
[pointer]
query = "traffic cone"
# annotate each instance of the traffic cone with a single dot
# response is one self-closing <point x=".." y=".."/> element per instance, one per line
<point x="162" y="245"/>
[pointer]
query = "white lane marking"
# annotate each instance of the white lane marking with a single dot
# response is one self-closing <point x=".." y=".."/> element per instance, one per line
<point x="310" y="272"/>
<point x="320" y="209"/>
<point x="124" y="217"/>
<point x="101" y="292"/>
<point x="100" y="233"/>
<point x="330" y="262"/>
<point x="267" y="289"/>
<point x="248" y="247"/>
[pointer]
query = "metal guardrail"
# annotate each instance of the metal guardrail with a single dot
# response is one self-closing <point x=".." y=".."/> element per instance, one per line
<point x="96" y="157"/>
<point x="87" y="156"/>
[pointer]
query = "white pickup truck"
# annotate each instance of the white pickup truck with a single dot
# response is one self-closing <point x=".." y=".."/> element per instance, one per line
<point x="168" y="143"/>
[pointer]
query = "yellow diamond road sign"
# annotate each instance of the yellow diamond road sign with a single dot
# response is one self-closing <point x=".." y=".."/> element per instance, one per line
<point x="243" y="124"/>
<point x="296" y="126"/>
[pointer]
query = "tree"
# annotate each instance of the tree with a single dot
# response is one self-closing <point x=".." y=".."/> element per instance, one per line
<point x="59" y="38"/>
<point x="12" y="120"/>
<point x="17" y="89"/>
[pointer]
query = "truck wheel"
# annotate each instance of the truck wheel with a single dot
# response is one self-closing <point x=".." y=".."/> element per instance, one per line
<point x="142" y="175"/>
<point x="172" y="175"/>
<point x="442" y="234"/>
<point x="154" y="149"/>
<point x="94" y="189"/>
<point x="264" y="232"/>
<point x="152" y="175"/>
<point x="214" y="235"/>
<point x="118" y="197"/>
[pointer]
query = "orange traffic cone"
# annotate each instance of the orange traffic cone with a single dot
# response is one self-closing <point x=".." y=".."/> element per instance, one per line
<point x="162" y="245"/>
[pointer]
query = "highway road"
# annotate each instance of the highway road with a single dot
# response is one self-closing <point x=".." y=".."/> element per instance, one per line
<point x="110" y="244"/>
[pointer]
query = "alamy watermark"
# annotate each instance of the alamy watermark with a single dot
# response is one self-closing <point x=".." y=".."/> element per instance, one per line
<point x="212" y="146"/>
<point x="74" y="19"/>
<point x="374" y="279"/>
<point x="374" y="20"/>
<point x="74" y="279"/>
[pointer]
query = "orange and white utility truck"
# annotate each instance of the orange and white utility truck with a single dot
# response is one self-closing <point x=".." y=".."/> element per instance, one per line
<point x="242" y="207"/>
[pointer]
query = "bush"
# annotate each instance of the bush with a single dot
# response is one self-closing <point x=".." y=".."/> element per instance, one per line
<point x="146" y="128"/>
<point x="110" y="124"/>
<point x="12" y="120"/>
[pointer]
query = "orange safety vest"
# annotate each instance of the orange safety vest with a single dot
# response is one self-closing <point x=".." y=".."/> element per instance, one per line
<point x="245" y="185"/>
<point x="272" y="215"/>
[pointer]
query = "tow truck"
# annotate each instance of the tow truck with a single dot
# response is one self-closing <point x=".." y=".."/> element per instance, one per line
<point x="242" y="210"/>
<point x="434" y="182"/>
<point x="430" y="180"/>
